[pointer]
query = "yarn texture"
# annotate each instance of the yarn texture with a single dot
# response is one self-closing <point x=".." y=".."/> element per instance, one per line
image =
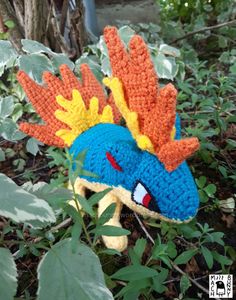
<point x="144" y="162"/>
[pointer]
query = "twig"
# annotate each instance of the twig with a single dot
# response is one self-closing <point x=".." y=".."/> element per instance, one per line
<point x="204" y="29"/>
<point x="144" y="229"/>
<point x="173" y="264"/>
<point x="63" y="224"/>
<point x="32" y="170"/>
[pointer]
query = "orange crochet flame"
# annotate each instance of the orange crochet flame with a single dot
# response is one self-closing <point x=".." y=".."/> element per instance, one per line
<point x="156" y="107"/>
<point x="44" y="100"/>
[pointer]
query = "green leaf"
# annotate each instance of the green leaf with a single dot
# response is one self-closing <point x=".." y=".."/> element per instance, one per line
<point x="223" y="260"/>
<point x="20" y="206"/>
<point x="171" y="250"/>
<point x="139" y="247"/>
<point x="34" y="65"/>
<point x="201" y="181"/>
<point x="185" y="256"/>
<point x="158" y="281"/>
<point x="207" y="256"/>
<point x="136" y="272"/>
<point x="210" y="189"/>
<point x="75" y="235"/>
<point x="8" y="274"/>
<point x="71" y="276"/>
<point x="231" y="142"/>
<point x="109" y="230"/>
<point x="203" y="197"/>
<point x="107" y="214"/>
<point x="10" y="24"/>
<point x="223" y="41"/>
<point x="95" y="198"/>
<point x="132" y="287"/>
<point x="184" y="284"/>
<point x="86" y="206"/>
<point x="6" y="106"/>
<point x="110" y="252"/>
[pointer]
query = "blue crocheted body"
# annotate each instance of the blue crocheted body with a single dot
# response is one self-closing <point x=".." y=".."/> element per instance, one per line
<point x="174" y="194"/>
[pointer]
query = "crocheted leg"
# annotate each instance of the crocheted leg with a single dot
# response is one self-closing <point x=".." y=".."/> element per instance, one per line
<point x="80" y="190"/>
<point x="114" y="242"/>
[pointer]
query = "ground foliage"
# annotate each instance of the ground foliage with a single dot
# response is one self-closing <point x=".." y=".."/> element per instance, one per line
<point x="49" y="247"/>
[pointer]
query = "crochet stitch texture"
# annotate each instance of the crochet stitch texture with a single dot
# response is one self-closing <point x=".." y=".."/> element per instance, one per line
<point x="144" y="163"/>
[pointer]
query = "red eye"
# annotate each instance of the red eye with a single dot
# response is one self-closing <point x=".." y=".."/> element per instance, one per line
<point x="113" y="162"/>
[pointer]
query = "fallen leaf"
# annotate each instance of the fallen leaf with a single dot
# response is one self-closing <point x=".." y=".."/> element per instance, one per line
<point x="229" y="219"/>
<point x="192" y="266"/>
<point x="227" y="205"/>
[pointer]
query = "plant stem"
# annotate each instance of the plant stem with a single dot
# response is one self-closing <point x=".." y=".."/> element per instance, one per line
<point x="82" y="220"/>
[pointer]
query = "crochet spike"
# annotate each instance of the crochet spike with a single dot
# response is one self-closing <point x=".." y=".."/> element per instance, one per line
<point x="42" y="100"/>
<point x="173" y="153"/>
<point x="69" y="79"/>
<point x="42" y="133"/>
<point x="135" y="70"/>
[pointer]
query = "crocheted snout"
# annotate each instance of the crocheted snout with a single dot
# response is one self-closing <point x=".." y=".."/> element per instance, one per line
<point x="175" y="193"/>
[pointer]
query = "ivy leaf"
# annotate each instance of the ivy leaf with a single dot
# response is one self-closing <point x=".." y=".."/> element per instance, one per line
<point x="34" y="47"/>
<point x="7" y="54"/>
<point x="60" y="59"/>
<point x="10" y="131"/>
<point x="8" y="274"/>
<point x="126" y="33"/>
<point x="34" y="65"/>
<point x="168" y="50"/>
<point x="32" y="146"/>
<point x="6" y="106"/>
<point x="63" y="274"/>
<point x="165" y="66"/>
<point x="20" y="206"/>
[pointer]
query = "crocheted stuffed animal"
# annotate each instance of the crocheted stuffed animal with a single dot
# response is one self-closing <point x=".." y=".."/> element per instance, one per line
<point x="144" y="162"/>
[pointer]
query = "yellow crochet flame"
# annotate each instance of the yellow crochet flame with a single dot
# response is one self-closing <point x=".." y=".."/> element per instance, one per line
<point x="78" y="118"/>
<point x="131" y="117"/>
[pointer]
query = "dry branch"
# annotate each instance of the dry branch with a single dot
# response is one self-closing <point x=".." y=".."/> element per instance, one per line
<point x="204" y="29"/>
